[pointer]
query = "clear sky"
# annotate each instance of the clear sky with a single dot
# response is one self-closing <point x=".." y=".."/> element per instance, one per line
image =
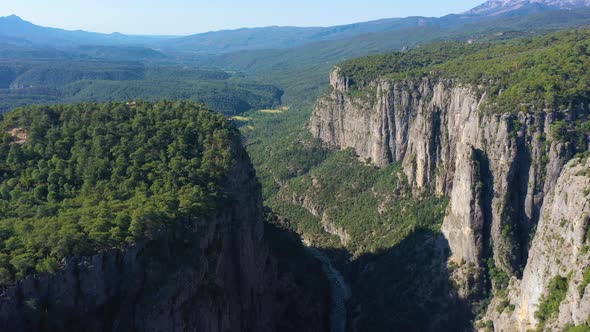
<point x="181" y="17"/>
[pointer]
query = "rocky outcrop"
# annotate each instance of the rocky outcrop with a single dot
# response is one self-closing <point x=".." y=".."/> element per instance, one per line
<point x="222" y="276"/>
<point x="561" y="247"/>
<point x="425" y="125"/>
<point x="317" y="210"/>
<point x="496" y="168"/>
<point x="465" y="223"/>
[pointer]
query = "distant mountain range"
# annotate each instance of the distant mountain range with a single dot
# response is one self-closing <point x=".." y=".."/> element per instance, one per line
<point x="16" y="31"/>
<point x="285" y="37"/>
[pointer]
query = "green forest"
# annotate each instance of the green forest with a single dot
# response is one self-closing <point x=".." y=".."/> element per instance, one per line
<point x="75" y="179"/>
<point x="548" y="71"/>
<point x="39" y="82"/>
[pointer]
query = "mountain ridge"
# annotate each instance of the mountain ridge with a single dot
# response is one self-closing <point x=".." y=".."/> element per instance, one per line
<point x="272" y="37"/>
<point x="496" y="7"/>
<point x="14" y="26"/>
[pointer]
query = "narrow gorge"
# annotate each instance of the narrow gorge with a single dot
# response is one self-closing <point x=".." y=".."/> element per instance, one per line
<point x="509" y="189"/>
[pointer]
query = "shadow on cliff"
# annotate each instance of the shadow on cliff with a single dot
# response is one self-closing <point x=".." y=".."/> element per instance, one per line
<point x="403" y="288"/>
<point x="301" y="298"/>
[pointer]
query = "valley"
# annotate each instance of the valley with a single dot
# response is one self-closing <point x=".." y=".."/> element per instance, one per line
<point x="405" y="174"/>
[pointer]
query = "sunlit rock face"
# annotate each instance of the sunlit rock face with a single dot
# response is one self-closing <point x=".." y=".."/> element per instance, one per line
<point x="503" y="173"/>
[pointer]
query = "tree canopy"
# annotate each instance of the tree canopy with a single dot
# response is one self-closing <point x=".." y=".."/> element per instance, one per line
<point x="78" y="178"/>
<point x="549" y="71"/>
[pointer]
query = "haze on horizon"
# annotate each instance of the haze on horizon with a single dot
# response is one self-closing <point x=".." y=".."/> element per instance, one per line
<point x="183" y="17"/>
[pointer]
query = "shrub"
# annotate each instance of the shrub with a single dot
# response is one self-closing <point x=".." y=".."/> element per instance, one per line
<point x="499" y="277"/>
<point x="549" y="304"/>
<point x="560" y="131"/>
<point x="585" y="281"/>
<point x="502" y="305"/>
<point x="579" y="328"/>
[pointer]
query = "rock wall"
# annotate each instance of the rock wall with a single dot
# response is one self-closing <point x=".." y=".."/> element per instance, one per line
<point x="561" y="247"/>
<point x="496" y="168"/>
<point x="425" y="126"/>
<point x="220" y="277"/>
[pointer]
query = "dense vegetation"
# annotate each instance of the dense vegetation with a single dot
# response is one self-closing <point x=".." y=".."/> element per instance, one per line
<point x="373" y="206"/>
<point x="393" y="248"/>
<point x="26" y="82"/>
<point x="75" y="179"/>
<point x="532" y="73"/>
<point x="387" y="229"/>
<point x="359" y="198"/>
<point x="280" y="147"/>
<point x="585" y="281"/>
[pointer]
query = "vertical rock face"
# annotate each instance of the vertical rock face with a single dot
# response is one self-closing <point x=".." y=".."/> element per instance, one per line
<point x="496" y="168"/>
<point x="560" y="248"/>
<point x="464" y="226"/>
<point x="222" y="277"/>
<point x="464" y="222"/>
<point x="425" y="126"/>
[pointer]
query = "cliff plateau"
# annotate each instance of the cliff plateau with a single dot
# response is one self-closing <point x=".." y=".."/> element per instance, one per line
<point x="233" y="272"/>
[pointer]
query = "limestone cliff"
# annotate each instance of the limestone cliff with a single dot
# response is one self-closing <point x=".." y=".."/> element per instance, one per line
<point x="223" y="276"/>
<point x="497" y="169"/>
<point x="560" y="249"/>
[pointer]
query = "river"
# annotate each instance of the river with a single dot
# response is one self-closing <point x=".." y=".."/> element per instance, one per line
<point x="339" y="290"/>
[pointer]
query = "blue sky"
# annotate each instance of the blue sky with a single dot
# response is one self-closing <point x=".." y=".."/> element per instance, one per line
<point x="192" y="16"/>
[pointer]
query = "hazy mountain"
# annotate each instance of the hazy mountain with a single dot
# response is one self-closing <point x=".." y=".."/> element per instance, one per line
<point x="14" y="29"/>
<point x="497" y="7"/>
<point x="462" y="27"/>
<point x="285" y="37"/>
<point x="275" y="37"/>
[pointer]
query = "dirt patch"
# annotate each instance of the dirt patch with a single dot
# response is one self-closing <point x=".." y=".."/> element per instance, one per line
<point x="19" y="135"/>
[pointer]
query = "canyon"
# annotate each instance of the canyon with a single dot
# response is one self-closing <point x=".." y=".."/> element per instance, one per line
<point x="505" y="174"/>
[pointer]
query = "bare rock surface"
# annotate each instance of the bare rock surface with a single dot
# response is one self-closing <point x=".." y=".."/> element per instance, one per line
<point x="504" y="174"/>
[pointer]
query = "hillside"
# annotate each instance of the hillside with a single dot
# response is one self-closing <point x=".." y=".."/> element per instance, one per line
<point x="293" y="59"/>
<point x="300" y="71"/>
<point x="15" y="30"/>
